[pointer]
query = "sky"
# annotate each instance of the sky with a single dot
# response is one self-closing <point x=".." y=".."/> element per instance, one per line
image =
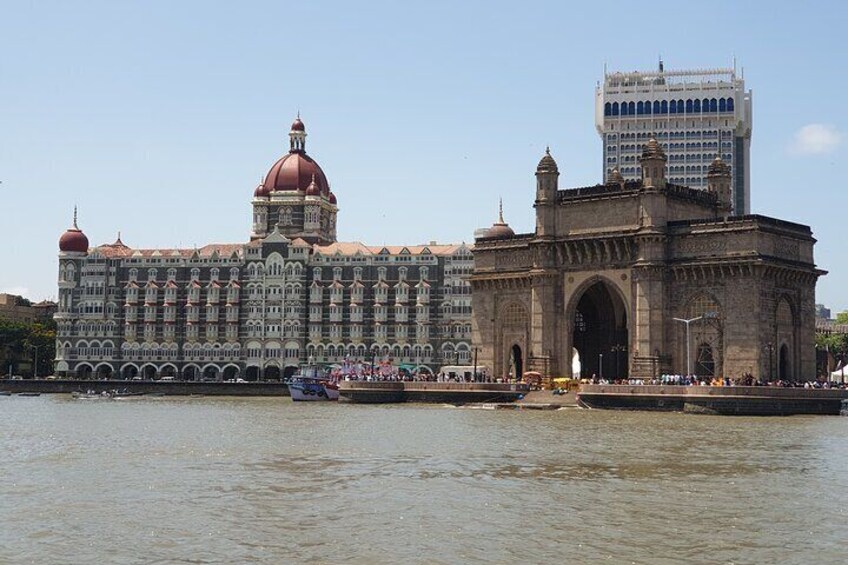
<point x="159" y="118"/>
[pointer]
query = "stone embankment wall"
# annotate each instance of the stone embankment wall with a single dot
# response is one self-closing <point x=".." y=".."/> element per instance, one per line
<point x="166" y="387"/>
<point x="736" y="400"/>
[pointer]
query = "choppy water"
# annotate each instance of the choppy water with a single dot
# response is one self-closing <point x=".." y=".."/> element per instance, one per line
<point x="263" y="480"/>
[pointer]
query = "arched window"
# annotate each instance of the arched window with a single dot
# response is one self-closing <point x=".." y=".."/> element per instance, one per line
<point x="195" y="274"/>
<point x="656" y="107"/>
<point x="615" y="108"/>
<point x="689" y="106"/>
<point x="730" y="104"/>
<point x="696" y="106"/>
<point x="664" y="107"/>
<point x="640" y="108"/>
<point x="624" y="108"/>
<point x="607" y="109"/>
<point x="647" y="107"/>
<point x="713" y="105"/>
<point x="705" y="105"/>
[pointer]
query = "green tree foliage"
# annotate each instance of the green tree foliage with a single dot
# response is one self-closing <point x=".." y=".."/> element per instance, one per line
<point x="842" y="318"/>
<point x="19" y="342"/>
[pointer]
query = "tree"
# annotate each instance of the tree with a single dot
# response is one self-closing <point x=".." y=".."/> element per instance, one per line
<point x="19" y="342"/>
<point x="842" y="318"/>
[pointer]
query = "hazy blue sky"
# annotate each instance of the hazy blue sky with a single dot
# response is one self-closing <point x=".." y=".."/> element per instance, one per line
<point x="159" y="118"/>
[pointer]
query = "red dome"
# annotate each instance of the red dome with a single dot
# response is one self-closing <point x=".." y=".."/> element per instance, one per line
<point x="261" y="191"/>
<point x="294" y="172"/>
<point x="73" y="241"/>
<point x="332" y="198"/>
<point x="313" y="189"/>
<point x="297" y="125"/>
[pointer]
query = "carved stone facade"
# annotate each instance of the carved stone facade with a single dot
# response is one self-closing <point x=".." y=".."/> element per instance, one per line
<point x="644" y="278"/>
<point x="259" y="309"/>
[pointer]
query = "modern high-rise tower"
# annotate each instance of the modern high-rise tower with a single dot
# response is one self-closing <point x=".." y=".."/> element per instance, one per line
<point x="695" y="114"/>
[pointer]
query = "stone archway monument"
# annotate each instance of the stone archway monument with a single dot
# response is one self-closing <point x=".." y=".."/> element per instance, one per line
<point x="608" y="268"/>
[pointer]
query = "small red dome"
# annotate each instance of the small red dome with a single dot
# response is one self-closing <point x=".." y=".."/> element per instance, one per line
<point x="73" y="241"/>
<point x="261" y="191"/>
<point x="500" y="230"/>
<point x="313" y="189"/>
<point x="297" y="125"/>
<point x="294" y="172"/>
<point x="332" y="197"/>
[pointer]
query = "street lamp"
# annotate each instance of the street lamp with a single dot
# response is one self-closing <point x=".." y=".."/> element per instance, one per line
<point x="601" y="366"/>
<point x="705" y="316"/>
<point x="475" y="364"/>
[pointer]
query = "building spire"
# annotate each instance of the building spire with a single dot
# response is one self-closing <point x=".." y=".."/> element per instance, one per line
<point x="75" y="217"/>
<point x="500" y="210"/>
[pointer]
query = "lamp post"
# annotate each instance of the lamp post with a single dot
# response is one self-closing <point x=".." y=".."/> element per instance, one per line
<point x="618" y="348"/>
<point x="705" y="316"/>
<point x="475" y="364"/>
<point x="600" y="366"/>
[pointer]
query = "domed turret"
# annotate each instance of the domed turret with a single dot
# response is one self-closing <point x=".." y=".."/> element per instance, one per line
<point x="615" y="178"/>
<point x="718" y="182"/>
<point x="261" y="190"/>
<point x="73" y="240"/>
<point x="332" y="197"/>
<point x="501" y="228"/>
<point x="313" y="189"/>
<point x="547" y="163"/>
<point x="653" y="161"/>
<point x="296" y="170"/>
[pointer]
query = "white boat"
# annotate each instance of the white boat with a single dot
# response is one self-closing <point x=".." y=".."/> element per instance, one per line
<point x="312" y="389"/>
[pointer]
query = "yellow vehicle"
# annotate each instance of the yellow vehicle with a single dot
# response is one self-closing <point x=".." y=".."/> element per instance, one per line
<point x="566" y="383"/>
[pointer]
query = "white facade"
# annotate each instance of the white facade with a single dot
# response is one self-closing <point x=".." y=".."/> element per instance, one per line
<point x="694" y="114"/>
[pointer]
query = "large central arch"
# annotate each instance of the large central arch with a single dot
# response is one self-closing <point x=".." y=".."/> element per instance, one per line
<point x="600" y="332"/>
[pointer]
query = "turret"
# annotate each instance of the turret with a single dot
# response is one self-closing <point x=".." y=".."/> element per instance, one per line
<point x="547" y="184"/>
<point x="718" y="182"/>
<point x="653" y="161"/>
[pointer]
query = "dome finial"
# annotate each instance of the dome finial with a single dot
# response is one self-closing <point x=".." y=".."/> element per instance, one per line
<point x="500" y="210"/>
<point x="75" y="217"/>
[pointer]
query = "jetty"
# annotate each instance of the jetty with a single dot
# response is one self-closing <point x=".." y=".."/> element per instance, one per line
<point x="386" y="392"/>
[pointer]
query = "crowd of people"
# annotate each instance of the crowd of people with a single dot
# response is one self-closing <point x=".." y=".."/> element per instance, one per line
<point x="746" y="379"/>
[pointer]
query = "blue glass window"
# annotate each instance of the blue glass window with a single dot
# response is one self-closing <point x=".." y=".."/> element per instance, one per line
<point x="640" y="108"/>
<point x="722" y="105"/>
<point x="656" y="107"/>
<point x="713" y="105"/>
<point x="631" y="108"/>
<point x="696" y="106"/>
<point x="615" y="108"/>
<point x="664" y="107"/>
<point x="607" y="109"/>
<point x="689" y="106"/>
<point x="730" y="104"/>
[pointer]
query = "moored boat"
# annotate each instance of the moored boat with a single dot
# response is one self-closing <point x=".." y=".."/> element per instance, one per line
<point x="311" y="389"/>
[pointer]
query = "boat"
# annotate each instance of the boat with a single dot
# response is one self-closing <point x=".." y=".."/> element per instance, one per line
<point x="91" y="395"/>
<point x="312" y="388"/>
<point x="5" y="393"/>
<point x="29" y="394"/>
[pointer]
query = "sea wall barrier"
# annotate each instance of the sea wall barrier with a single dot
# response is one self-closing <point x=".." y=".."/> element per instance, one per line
<point x="731" y="400"/>
<point x="177" y="388"/>
<point x="381" y="392"/>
